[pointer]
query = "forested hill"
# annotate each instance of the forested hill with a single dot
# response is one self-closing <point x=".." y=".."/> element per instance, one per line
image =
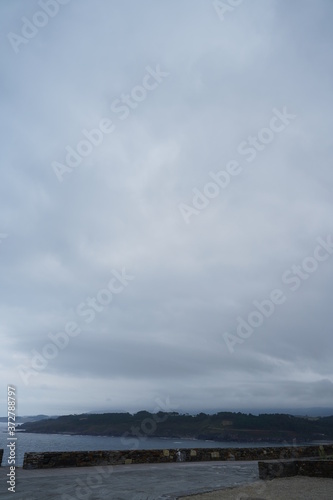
<point x="222" y="426"/>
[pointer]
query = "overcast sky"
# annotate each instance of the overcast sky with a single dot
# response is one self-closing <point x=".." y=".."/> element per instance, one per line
<point x="130" y="260"/>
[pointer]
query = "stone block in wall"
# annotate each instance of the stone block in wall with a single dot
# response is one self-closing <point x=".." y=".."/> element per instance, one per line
<point x="315" y="468"/>
<point x="288" y="468"/>
<point x="272" y="470"/>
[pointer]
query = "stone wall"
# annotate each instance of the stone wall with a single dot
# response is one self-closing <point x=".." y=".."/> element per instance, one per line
<point x="115" y="457"/>
<point x="312" y="468"/>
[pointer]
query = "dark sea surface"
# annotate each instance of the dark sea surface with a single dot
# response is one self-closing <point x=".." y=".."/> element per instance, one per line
<point x="29" y="442"/>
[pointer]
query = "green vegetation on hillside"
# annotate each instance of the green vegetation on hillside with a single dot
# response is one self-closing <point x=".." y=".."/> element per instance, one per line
<point x="222" y="426"/>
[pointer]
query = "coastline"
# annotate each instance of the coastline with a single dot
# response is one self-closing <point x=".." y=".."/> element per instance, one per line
<point x="258" y="442"/>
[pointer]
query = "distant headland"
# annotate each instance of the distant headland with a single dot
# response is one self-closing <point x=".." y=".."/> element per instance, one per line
<point x="221" y="426"/>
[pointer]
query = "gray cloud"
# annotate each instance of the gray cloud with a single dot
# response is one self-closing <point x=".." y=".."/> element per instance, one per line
<point x="162" y="336"/>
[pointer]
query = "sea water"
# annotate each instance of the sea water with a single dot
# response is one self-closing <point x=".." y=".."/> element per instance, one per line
<point x="33" y="442"/>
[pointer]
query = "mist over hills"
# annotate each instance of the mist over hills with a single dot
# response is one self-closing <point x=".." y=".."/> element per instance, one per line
<point x="27" y="418"/>
<point x="302" y="412"/>
<point x="298" y="412"/>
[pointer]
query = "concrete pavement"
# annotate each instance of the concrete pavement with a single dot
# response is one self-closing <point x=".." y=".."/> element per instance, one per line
<point x="127" y="482"/>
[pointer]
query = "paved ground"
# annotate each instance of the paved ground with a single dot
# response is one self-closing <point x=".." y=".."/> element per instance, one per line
<point x="126" y="482"/>
<point x="289" y="488"/>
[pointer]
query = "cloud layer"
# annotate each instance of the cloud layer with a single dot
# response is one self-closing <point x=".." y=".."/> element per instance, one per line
<point x="213" y="87"/>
